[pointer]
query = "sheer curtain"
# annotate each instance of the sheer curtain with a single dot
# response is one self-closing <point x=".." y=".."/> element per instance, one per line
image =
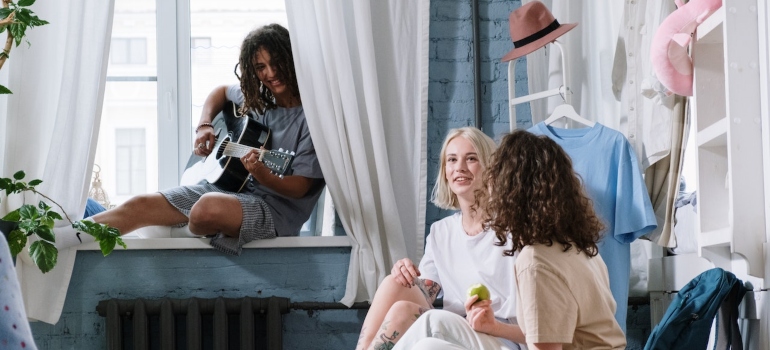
<point x="51" y="124"/>
<point x="364" y="79"/>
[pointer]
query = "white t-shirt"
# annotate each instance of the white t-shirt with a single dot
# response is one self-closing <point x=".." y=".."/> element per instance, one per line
<point x="457" y="261"/>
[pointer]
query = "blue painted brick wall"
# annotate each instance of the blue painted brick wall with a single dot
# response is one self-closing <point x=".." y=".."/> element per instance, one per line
<point x="301" y="274"/>
<point x="451" y="86"/>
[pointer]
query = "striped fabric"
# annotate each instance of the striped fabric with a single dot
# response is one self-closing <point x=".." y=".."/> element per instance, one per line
<point x="257" y="220"/>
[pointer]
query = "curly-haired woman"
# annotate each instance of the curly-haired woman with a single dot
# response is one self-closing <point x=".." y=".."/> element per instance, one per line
<point x="538" y="203"/>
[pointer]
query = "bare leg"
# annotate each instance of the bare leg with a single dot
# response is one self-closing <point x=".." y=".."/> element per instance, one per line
<point x="216" y="212"/>
<point x="400" y="317"/>
<point x="212" y="213"/>
<point x="140" y="211"/>
<point x="388" y="294"/>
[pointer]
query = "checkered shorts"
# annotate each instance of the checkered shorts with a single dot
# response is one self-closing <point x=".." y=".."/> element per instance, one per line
<point x="257" y="220"/>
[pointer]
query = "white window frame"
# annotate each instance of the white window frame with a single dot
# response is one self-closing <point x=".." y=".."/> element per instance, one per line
<point x="174" y="100"/>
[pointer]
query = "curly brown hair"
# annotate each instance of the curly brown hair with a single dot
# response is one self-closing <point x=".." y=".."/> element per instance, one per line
<point x="535" y="197"/>
<point x="273" y="38"/>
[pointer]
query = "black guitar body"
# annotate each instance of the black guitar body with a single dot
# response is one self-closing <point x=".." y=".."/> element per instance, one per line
<point x="225" y="171"/>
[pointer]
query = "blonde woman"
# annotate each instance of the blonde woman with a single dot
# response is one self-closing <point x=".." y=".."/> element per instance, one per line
<point x="459" y="252"/>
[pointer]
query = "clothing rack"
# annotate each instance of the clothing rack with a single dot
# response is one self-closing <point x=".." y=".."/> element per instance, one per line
<point x="562" y="90"/>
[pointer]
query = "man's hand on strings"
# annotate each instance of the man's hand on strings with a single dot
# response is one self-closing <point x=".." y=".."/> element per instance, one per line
<point x="252" y="163"/>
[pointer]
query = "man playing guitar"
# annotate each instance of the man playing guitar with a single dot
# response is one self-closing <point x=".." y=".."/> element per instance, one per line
<point x="269" y="205"/>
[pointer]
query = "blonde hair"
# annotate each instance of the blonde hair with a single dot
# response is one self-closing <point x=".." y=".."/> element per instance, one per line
<point x="442" y="195"/>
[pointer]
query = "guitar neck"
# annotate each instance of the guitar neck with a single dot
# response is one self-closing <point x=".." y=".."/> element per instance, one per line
<point x="237" y="150"/>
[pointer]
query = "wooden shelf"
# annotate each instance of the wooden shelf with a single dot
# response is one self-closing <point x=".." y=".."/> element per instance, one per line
<point x="715" y="238"/>
<point x="715" y="135"/>
<point x="726" y="106"/>
<point x="710" y="31"/>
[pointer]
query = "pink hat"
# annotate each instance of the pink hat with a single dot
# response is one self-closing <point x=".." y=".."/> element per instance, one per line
<point x="532" y="26"/>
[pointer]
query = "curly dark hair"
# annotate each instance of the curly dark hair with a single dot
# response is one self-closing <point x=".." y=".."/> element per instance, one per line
<point x="536" y="197"/>
<point x="274" y="38"/>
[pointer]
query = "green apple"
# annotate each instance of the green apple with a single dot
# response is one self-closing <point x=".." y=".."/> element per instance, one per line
<point x="480" y="290"/>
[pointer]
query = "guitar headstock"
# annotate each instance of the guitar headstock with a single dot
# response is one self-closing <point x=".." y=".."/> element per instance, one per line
<point x="279" y="162"/>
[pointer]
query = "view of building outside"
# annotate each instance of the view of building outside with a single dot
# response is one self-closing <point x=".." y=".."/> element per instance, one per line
<point x="127" y="151"/>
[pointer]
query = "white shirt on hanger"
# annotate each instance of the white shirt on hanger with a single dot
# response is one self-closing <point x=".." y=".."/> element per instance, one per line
<point x="646" y="114"/>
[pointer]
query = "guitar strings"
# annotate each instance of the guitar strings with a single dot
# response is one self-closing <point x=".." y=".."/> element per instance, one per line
<point x="236" y="149"/>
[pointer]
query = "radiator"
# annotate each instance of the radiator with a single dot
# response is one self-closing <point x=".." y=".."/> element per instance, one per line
<point x="254" y="322"/>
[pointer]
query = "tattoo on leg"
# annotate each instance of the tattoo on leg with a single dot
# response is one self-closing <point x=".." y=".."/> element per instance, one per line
<point x="421" y="310"/>
<point x="431" y="292"/>
<point x="386" y="342"/>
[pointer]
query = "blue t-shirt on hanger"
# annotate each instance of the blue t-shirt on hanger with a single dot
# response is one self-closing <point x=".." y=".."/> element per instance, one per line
<point x="607" y="164"/>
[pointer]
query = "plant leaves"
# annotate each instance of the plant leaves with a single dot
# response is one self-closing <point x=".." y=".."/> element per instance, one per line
<point x="19" y="175"/>
<point x="5" y="183"/>
<point x="107" y="236"/>
<point x="35" y="182"/>
<point x="45" y="233"/>
<point x="53" y="215"/>
<point x="44" y="255"/>
<point x="28" y="225"/>
<point x="17" y="30"/>
<point x="44" y="206"/>
<point x="36" y="22"/>
<point x="107" y="245"/>
<point x="23" y="16"/>
<point x="5" y="12"/>
<point x="26" y="2"/>
<point x="28" y="212"/>
<point x="16" y="241"/>
<point x="12" y="216"/>
<point x="4" y="90"/>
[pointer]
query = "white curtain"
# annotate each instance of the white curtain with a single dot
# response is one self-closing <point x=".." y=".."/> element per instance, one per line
<point x="363" y="74"/>
<point x="50" y="125"/>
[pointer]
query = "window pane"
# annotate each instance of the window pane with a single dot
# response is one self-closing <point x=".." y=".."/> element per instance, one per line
<point x="138" y="51"/>
<point x="130" y="161"/>
<point x="127" y="150"/>
<point x="119" y="51"/>
<point x="200" y="50"/>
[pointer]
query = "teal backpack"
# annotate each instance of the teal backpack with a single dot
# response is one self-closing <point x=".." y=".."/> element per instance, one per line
<point x="687" y="322"/>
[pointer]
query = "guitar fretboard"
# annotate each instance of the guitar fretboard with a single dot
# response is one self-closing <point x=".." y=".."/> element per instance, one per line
<point x="232" y="149"/>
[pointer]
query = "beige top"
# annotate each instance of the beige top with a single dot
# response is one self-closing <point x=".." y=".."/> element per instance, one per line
<point x="564" y="297"/>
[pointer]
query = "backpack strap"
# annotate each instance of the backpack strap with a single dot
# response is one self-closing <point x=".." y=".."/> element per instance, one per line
<point x="728" y="335"/>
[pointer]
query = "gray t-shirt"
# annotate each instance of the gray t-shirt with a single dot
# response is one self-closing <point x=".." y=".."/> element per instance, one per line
<point x="288" y="130"/>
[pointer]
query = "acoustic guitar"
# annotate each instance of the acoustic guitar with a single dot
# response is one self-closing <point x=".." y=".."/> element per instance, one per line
<point x="235" y="137"/>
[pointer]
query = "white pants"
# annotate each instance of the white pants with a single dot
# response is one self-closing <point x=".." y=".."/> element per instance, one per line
<point x="441" y="329"/>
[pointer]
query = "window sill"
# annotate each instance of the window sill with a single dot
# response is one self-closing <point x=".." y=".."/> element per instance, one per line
<point x="203" y="243"/>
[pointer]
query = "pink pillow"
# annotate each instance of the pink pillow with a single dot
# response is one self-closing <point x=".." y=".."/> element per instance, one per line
<point x="668" y="52"/>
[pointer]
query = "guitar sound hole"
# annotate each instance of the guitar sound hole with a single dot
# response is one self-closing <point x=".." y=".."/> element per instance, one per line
<point x="221" y="149"/>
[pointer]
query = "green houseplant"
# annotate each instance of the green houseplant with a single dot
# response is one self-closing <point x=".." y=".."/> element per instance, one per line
<point x="39" y="221"/>
<point x="15" y="18"/>
<point x="28" y="220"/>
